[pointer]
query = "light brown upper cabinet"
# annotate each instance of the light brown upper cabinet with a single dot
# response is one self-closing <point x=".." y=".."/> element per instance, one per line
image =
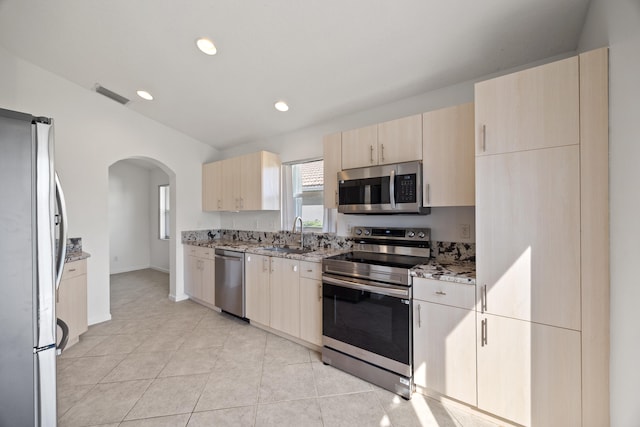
<point x="400" y="140"/>
<point x="534" y="108"/>
<point x="389" y="142"/>
<point x="448" y="157"/>
<point x="360" y="147"/>
<point x="259" y="181"/>
<point x="332" y="156"/>
<point x="250" y="183"/>
<point x="231" y="177"/>
<point x="212" y="186"/>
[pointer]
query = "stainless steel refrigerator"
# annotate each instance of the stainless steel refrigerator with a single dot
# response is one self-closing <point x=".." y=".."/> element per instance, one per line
<point x="31" y="223"/>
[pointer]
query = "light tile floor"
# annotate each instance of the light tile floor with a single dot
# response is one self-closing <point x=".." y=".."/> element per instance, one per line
<point x="160" y="363"/>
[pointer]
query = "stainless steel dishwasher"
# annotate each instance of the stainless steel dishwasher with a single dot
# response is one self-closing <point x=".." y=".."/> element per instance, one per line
<point x="230" y="281"/>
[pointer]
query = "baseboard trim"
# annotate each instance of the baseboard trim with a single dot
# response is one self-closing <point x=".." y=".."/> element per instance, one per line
<point x="448" y="401"/>
<point x="161" y="270"/>
<point x="95" y="321"/>
<point x="129" y="269"/>
<point x="284" y="335"/>
<point x="177" y="298"/>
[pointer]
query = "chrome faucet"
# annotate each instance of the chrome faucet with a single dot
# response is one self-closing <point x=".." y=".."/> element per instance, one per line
<point x="293" y="230"/>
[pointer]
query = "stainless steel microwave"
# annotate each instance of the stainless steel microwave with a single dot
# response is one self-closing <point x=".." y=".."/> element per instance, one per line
<point x="386" y="189"/>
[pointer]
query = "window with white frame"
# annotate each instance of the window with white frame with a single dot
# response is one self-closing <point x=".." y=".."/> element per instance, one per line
<point x="303" y="185"/>
<point x="164" y="203"/>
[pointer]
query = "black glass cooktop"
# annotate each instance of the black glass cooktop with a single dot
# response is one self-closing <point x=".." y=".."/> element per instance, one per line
<point x="376" y="258"/>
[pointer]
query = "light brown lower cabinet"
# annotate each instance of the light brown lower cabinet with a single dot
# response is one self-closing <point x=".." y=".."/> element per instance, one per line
<point x="529" y="373"/>
<point x="199" y="274"/>
<point x="71" y="304"/>
<point x="311" y="302"/>
<point x="257" y="288"/>
<point x="444" y="350"/>
<point x="285" y="295"/>
<point x="444" y="338"/>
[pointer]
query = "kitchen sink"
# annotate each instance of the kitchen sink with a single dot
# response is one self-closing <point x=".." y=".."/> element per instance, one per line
<point x="287" y="250"/>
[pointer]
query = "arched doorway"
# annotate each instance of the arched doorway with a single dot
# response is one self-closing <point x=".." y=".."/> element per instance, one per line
<point x="137" y="186"/>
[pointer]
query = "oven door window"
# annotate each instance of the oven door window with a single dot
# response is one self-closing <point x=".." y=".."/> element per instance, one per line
<point x="374" y="322"/>
<point x="368" y="191"/>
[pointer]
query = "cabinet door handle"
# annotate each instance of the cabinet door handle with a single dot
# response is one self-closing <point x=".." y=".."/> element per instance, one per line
<point x="272" y="269"/>
<point x="241" y="203"/>
<point x="320" y="292"/>
<point x="483" y="138"/>
<point x="72" y="270"/>
<point x="371" y="151"/>
<point x="419" y="317"/>
<point x="483" y="305"/>
<point x="219" y="204"/>
<point x="440" y="293"/>
<point x="336" y="197"/>
<point x="309" y="271"/>
<point x="382" y="152"/>
<point x="483" y="340"/>
<point x="265" y="261"/>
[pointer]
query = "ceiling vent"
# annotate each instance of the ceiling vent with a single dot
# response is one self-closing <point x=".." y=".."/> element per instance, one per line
<point x="111" y="95"/>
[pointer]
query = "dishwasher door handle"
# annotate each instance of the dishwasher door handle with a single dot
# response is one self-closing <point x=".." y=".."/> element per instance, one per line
<point x="228" y="258"/>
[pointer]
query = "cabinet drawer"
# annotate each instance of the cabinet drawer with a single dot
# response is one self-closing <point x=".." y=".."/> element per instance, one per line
<point x="442" y="292"/>
<point x="190" y="250"/>
<point x="311" y="270"/>
<point x="74" y="269"/>
<point x="203" y="252"/>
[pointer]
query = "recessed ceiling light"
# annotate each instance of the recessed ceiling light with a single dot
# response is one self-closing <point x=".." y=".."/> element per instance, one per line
<point x="281" y="106"/>
<point x="206" y="46"/>
<point x="145" y="95"/>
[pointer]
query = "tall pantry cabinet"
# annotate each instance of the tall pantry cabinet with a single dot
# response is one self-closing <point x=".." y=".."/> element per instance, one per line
<point x="542" y="243"/>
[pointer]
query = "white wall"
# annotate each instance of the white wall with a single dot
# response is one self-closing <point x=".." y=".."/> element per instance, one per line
<point x="616" y="23"/>
<point x="92" y="133"/>
<point x="129" y="211"/>
<point x="307" y="144"/>
<point x="159" y="249"/>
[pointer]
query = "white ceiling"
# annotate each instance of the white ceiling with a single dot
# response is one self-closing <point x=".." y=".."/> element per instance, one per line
<point x="326" y="58"/>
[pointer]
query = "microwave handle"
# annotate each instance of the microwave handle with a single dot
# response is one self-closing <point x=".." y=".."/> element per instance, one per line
<point x="392" y="189"/>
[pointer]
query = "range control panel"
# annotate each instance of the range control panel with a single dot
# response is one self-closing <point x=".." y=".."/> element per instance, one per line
<point x="391" y="233"/>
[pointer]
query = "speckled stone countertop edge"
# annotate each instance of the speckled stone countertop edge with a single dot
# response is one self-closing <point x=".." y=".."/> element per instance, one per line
<point x="76" y="256"/>
<point x="260" y="249"/>
<point x="463" y="272"/>
<point x="457" y="272"/>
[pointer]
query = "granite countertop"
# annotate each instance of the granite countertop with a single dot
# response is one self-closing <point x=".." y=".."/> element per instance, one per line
<point x="451" y="271"/>
<point x="316" y="255"/>
<point x="76" y="256"/>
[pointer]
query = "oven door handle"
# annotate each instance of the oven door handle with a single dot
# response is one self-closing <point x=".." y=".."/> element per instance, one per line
<point x="392" y="189"/>
<point x="376" y="289"/>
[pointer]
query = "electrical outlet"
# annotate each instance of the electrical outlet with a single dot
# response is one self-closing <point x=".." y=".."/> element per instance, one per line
<point x="465" y="231"/>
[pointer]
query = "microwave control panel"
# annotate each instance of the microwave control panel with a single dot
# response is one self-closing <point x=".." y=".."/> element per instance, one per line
<point x="406" y="188"/>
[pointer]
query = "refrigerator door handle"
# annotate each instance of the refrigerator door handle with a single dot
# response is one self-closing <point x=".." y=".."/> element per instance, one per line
<point x="45" y="262"/>
<point x="62" y="243"/>
<point x="45" y="386"/>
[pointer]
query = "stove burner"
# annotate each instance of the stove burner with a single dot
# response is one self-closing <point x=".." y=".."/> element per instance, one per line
<point x="376" y="258"/>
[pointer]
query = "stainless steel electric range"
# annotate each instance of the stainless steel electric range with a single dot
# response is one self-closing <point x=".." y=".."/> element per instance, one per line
<point x="367" y="305"/>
